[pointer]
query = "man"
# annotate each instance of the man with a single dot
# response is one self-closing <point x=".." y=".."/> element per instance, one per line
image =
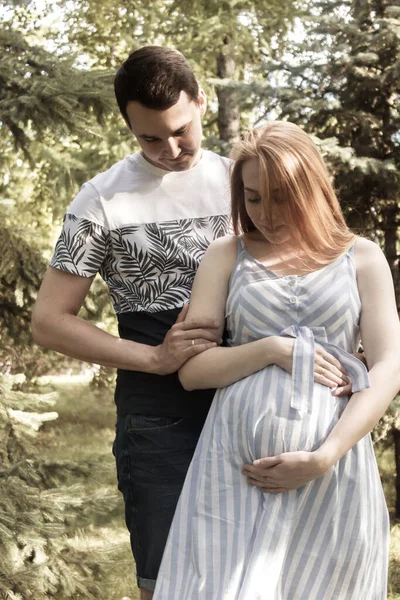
<point x="144" y="225"/>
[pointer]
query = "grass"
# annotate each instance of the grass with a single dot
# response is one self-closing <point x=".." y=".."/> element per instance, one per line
<point x="83" y="434"/>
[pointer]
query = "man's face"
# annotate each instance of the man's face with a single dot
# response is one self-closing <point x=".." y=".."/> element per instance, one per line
<point x="171" y="138"/>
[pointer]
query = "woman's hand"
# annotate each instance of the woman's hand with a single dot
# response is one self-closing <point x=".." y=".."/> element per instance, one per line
<point x="327" y="369"/>
<point x="287" y="471"/>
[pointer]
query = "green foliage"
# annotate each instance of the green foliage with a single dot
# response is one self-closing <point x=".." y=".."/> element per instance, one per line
<point x="210" y="34"/>
<point x="343" y="85"/>
<point x="41" y="93"/>
<point x="34" y="559"/>
<point x="21" y="270"/>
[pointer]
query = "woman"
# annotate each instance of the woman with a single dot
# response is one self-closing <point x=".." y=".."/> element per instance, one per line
<point x="313" y="524"/>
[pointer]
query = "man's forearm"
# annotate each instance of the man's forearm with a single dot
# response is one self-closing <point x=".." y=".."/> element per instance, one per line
<point x="72" y="336"/>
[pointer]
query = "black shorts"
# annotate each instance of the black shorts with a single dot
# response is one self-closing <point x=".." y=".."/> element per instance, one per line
<point x="152" y="455"/>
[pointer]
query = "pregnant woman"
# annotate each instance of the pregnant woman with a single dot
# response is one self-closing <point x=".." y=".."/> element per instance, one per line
<point x="313" y="525"/>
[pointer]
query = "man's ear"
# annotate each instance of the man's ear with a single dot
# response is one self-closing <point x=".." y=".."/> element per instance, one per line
<point x="202" y="102"/>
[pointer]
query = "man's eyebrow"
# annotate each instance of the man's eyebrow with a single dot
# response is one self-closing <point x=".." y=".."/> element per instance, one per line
<point x="184" y="126"/>
<point x="147" y="135"/>
<point x="155" y="137"/>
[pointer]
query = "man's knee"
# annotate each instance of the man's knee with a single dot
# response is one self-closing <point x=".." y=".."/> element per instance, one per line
<point x="146" y="595"/>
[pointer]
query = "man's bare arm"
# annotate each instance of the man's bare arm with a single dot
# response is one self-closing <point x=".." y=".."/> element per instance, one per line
<point x="56" y="325"/>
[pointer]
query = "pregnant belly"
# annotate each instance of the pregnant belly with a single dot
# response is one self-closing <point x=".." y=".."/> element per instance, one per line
<point x="255" y="417"/>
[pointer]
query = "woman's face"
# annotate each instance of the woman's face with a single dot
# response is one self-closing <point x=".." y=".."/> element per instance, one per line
<point x="264" y="213"/>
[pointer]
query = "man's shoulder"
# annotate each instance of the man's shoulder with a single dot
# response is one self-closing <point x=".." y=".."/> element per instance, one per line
<point x="116" y="175"/>
<point x="217" y="159"/>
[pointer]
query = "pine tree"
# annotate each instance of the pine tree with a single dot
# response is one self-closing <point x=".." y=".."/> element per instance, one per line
<point x="222" y="40"/>
<point x="46" y="104"/>
<point x="37" y="558"/>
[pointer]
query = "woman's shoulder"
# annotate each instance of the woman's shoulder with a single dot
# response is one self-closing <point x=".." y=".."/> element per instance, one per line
<point x="225" y="246"/>
<point x="222" y="253"/>
<point x="365" y="247"/>
<point x="368" y="255"/>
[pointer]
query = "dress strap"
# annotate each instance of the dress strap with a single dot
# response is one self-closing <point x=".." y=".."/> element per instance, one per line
<point x="350" y="251"/>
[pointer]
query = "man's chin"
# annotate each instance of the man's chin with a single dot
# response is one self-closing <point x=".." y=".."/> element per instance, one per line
<point x="180" y="164"/>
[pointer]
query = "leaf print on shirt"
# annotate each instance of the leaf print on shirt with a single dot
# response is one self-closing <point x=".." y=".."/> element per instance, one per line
<point x="221" y="225"/>
<point x="201" y="222"/>
<point x="138" y="264"/>
<point x="160" y="294"/>
<point x="193" y="254"/>
<point x="147" y="267"/>
<point x="124" y="294"/>
<point x="81" y="247"/>
<point x="164" y="248"/>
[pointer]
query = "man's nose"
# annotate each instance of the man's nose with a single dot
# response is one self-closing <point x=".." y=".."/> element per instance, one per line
<point x="172" y="147"/>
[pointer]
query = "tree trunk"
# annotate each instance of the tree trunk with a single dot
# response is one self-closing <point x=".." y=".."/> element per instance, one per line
<point x="228" y="110"/>
<point x="390" y="227"/>
<point x="396" y="438"/>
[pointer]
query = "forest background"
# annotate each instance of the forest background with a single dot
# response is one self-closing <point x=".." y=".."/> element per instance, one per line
<point x="332" y="67"/>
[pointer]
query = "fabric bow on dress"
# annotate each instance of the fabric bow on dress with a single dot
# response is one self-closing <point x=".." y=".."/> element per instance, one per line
<point x="303" y="364"/>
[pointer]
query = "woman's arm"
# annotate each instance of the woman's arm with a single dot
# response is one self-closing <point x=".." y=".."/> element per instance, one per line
<point x="219" y="366"/>
<point x="380" y="332"/>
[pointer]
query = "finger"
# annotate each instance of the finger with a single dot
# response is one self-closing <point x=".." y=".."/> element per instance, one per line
<point x="321" y="362"/>
<point x="205" y="334"/>
<point x="344" y="390"/>
<point x="195" y="349"/>
<point x="255" y="476"/>
<point x="260" y="472"/>
<point x="327" y="357"/>
<point x="198" y="341"/>
<point x="182" y="314"/>
<point x="200" y="323"/>
<point x="267" y="462"/>
<point x="360" y="356"/>
<point x="329" y="373"/>
<point x="327" y="379"/>
<point x="262" y="484"/>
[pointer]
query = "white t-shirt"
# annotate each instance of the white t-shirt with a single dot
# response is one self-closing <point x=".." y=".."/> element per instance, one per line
<point x="145" y="230"/>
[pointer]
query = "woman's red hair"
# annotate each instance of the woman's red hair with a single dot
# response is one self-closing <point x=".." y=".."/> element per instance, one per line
<point x="291" y="165"/>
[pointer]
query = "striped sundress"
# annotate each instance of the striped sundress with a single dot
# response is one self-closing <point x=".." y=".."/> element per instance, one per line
<point x="327" y="540"/>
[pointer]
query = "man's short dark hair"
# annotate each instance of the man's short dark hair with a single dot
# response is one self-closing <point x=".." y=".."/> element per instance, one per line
<point x="154" y="76"/>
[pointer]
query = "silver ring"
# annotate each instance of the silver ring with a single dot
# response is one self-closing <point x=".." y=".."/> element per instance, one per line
<point x="192" y="342"/>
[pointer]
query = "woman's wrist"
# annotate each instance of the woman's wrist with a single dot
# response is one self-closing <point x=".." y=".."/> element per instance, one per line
<point x="279" y="351"/>
<point x="325" y="458"/>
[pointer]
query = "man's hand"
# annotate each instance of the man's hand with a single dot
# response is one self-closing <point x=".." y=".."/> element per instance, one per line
<point x="185" y="339"/>
<point x="284" y="472"/>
